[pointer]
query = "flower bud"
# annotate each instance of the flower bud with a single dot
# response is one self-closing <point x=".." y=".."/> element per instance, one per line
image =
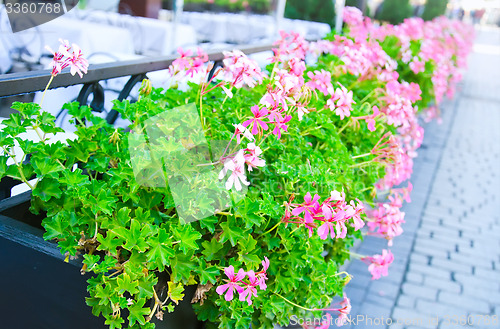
<point x="146" y="87"/>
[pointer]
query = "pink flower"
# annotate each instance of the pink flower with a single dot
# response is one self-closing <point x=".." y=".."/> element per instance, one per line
<point x="252" y="157"/>
<point x="186" y="63"/>
<point x="249" y="289"/>
<point x="417" y="66"/>
<point x="239" y="70"/>
<point x="344" y="311"/>
<point x="237" y="168"/>
<point x="257" y="122"/>
<point x="71" y="56"/>
<point x="320" y="80"/>
<point x="329" y="219"/>
<point x="379" y="264"/>
<point x="280" y="124"/>
<point x="242" y="131"/>
<point x="262" y="275"/>
<point x="356" y="217"/>
<point x="309" y="207"/>
<point x="341" y="101"/>
<point x="233" y="283"/>
<point x="370" y="121"/>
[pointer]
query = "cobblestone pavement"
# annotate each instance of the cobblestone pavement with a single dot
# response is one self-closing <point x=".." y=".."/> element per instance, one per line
<point x="446" y="272"/>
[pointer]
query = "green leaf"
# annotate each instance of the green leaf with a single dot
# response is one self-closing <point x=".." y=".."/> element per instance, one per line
<point x="44" y="165"/>
<point x="135" y="237"/>
<point x="208" y="273"/>
<point x="105" y="201"/>
<point x="3" y="166"/>
<point x="187" y="237"/>
<point x="48" y="188"/>
<point x="55" y="227"/>
<point x="175" y="292"/>
<point x="231" y="232"/>
<point x="109" y="243"/>
<point x="90" y="261"/>
<point x="137" y="312"/>
<point x="182" y="266"/>
<point x="210" y="249"/>
<point x="125" y="283"/>
<point x="114" y="322"/>
<point x="160" y="251"/>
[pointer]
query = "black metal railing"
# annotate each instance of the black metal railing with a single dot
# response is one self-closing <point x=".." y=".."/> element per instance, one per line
<point x="28" y="82"/>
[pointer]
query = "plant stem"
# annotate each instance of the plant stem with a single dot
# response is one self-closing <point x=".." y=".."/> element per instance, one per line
<point x="304" y="308"/>
<point x="19" y="168"/>
<point x="367" y="96"/>
<point x="361" y="156"/>
<point x="269" y="231"/>
<point x="345" y="126"/>
<point x="361" y="164"/>
<point x="353" y="254"/>
<point x="46" y="88"/>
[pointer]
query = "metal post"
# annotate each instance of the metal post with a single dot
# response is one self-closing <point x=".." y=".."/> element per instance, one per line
<point x="178" y="9"/>
<point x="339" y="14"/>
<point x="279" y="15"/>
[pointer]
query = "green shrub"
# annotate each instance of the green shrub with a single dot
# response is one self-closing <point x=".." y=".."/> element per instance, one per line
<point x="311" y="10"/>
<point x="395" y="11"/>
<point x="434" y="8"/>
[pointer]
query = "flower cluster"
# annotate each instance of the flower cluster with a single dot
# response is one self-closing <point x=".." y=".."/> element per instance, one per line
<point x="68" y="56"/>
<point x="236" y="165"/>
<point x="239" y="70"/>
<point x="246" y="289"/>
<point x="379" y="264"/>
<point x="187" y="64"/>
<point x="330" y="217"/>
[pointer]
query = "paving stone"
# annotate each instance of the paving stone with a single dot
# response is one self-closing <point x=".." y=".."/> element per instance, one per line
<point x="429" y="270"/>
<point x="408" y="317"/>
<point x="414" y="277"/>
<point x="438" y="309"/>
<point x="419" y="291"/>
<point x="445" y="285"/>
<point x="448" y="260"/>
<point x="453" y="266"/>
<point x="459" y="300"/>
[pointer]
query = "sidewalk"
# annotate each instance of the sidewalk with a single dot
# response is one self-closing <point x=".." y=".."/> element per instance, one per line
<point x="446" y="272"/>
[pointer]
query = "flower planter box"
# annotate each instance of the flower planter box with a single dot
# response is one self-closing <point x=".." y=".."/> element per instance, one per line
<point x="40" y="290"/>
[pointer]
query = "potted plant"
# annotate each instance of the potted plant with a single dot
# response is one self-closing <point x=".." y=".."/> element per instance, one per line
<point x="249" y="188"/>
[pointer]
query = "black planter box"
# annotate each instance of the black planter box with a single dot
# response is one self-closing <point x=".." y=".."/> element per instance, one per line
<point x="39" y="290"/>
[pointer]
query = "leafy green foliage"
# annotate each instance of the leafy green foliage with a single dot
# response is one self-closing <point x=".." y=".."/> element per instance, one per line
<point x="132" y="238"/>
<point x="434" y="8"/>
<point x="395" y="11"/>
<point x="311" y="10"/>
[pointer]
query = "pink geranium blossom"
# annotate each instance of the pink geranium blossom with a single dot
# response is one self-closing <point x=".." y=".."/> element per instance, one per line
<point x="379" y="264"/>
<point x="344" y="311"/>
<point x="236" y="166"/>
<point x="71" y="56"/>
<point x="250" y="289"/>
<point x="251" y="155"/>
<point x="245" y="289"/>
<point x="341" y="102"/>
<point x="257" y="121"/>
<point x="240" y="132"/>
<point x="233" y="283"/>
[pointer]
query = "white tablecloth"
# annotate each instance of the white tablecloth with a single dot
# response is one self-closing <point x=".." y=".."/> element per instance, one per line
<point x="91" y="37"/>
<point x="151" y="36"/>
<point x="246" y="29"/>
<point x="5" y="43"/>
<point x="19" y="154"/>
